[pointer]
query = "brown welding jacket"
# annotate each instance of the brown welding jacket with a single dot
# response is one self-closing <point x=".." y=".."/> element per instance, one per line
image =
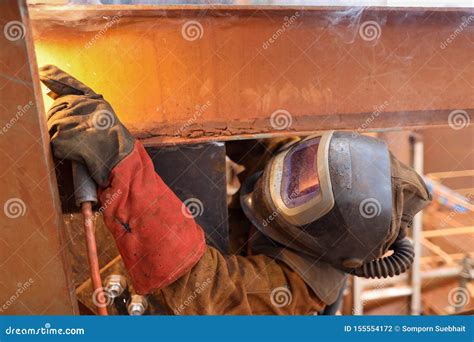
<point x="165" y="254"/>
<point x="164" y="250"/>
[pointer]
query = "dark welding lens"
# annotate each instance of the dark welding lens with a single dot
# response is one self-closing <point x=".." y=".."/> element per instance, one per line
<point x="300" y="180"/>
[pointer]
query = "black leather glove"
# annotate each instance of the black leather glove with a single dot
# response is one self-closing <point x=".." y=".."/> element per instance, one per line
<point x="83" y="126"/>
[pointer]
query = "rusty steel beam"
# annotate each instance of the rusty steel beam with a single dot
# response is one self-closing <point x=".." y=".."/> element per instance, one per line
<point x="189" y="74"/>
<point x="35" y="273"/>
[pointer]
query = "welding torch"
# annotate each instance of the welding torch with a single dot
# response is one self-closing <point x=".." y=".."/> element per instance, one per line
<point x="85" y="194"/>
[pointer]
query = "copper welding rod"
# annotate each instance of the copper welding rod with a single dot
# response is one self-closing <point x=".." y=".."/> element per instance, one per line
<point x="85" y="193"/>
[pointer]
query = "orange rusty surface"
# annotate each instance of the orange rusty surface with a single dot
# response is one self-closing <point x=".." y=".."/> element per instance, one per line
<point x="35" y="276"/>
<point x="227" y="80"/>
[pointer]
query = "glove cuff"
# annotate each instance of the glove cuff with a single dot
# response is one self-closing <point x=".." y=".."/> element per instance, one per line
<point x="157" y="242"/>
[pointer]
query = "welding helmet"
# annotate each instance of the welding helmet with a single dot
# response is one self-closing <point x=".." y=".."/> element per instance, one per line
<point x="336" y="199"/>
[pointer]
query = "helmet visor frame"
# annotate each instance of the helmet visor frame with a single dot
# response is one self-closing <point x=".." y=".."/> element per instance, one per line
<point x="299" y="196"/>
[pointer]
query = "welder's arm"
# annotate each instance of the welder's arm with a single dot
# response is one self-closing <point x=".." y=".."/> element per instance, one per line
<point x="158" y="244"/>
<point x="236" y="285"/>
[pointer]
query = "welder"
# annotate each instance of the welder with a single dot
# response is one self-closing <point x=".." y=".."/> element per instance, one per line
<point x="326" y="206"/>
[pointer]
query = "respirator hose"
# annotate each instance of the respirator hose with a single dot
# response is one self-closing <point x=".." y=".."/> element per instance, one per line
<point x="395" y="264"/>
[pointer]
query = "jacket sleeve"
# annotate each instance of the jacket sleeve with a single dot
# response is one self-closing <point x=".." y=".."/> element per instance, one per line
<point x="166" y="257"/>
<point x="236" y="285"/>
<point x="158" y="244"/>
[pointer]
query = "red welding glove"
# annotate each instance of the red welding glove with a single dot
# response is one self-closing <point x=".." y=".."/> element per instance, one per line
<point x="157" y="242"/>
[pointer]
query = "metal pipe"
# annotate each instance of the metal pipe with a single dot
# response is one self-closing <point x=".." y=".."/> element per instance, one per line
<point x="357" y="289"/>
<point x="89" y="230"/>
<point x="85" y="193"/>
<point x="442" y="272"/>
<point x="386" y="293"/>
<point x="418" y="156"/>
<point x="384" y="282"/>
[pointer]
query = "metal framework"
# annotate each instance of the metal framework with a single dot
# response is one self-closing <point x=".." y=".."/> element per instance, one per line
<point x="249" y="72"/>
<point x="260" y="71"/>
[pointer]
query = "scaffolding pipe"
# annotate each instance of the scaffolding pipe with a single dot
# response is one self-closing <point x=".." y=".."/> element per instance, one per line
<point x="386" y="293"/>
<point x="394" y="292"/>
<point x="416" y="277"/>
<point x="357" y="288"/>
